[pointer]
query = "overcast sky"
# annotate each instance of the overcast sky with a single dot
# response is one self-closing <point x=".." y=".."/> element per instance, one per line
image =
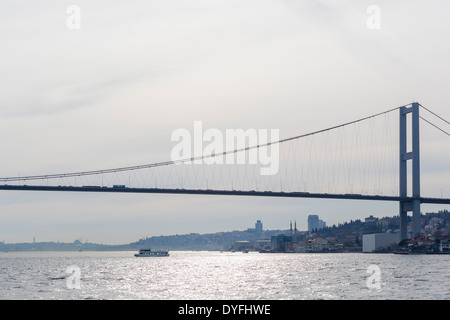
<point x="111" y="92"/>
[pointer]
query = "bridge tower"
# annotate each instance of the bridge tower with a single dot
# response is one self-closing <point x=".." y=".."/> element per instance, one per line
<point x="409" y="203"/>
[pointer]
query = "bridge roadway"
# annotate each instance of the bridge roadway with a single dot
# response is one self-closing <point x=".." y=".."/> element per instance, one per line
<point x="220" y="192"/>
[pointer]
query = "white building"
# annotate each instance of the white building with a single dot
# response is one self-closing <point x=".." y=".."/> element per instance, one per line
<point x="375" y="241"/>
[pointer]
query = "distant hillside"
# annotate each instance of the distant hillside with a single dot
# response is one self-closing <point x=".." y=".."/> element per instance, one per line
<point x="435" y="224"/>
<point x="61" y="246"/>
<point x="211" y="241"/>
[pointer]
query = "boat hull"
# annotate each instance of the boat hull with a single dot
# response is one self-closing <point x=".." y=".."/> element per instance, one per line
<point x="146" y="253"/>
<point x="151" y="255"/>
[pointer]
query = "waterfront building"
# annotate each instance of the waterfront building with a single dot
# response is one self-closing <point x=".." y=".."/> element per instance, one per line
<point x="374" y="241"/>
<point x="242" y="245"/>
<point x="258" y="245"/>
<point x="312" y="245"/>
<point x="281" y="243"/>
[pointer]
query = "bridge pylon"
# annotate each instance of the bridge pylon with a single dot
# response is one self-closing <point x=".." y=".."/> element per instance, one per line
<point x="409" y="203"/>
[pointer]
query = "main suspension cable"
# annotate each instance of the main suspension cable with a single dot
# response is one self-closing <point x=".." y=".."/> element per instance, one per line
<point x="166" y="163"/>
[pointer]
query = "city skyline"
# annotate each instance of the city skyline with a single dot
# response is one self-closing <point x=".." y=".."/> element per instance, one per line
<point x="107" y="89"/>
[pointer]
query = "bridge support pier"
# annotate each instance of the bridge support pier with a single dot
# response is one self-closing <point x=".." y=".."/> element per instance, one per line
<point x="409" y="204"/>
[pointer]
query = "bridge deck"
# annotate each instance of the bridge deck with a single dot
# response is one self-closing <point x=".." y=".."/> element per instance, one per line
<point x="220" y="192"/>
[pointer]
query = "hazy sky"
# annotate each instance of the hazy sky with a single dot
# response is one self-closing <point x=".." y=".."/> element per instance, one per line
<point x="110" y="93"/>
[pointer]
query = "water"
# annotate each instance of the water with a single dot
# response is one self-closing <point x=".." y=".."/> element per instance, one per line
<point x="217" y="275"/>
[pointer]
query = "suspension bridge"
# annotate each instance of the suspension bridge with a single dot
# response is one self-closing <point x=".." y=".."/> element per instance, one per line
<point x="364" y="159"/>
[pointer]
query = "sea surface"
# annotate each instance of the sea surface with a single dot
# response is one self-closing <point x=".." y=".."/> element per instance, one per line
<point x="222" y="275"/>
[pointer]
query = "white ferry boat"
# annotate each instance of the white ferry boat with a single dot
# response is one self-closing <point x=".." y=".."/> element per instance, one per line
<point x="152" y="253"/>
